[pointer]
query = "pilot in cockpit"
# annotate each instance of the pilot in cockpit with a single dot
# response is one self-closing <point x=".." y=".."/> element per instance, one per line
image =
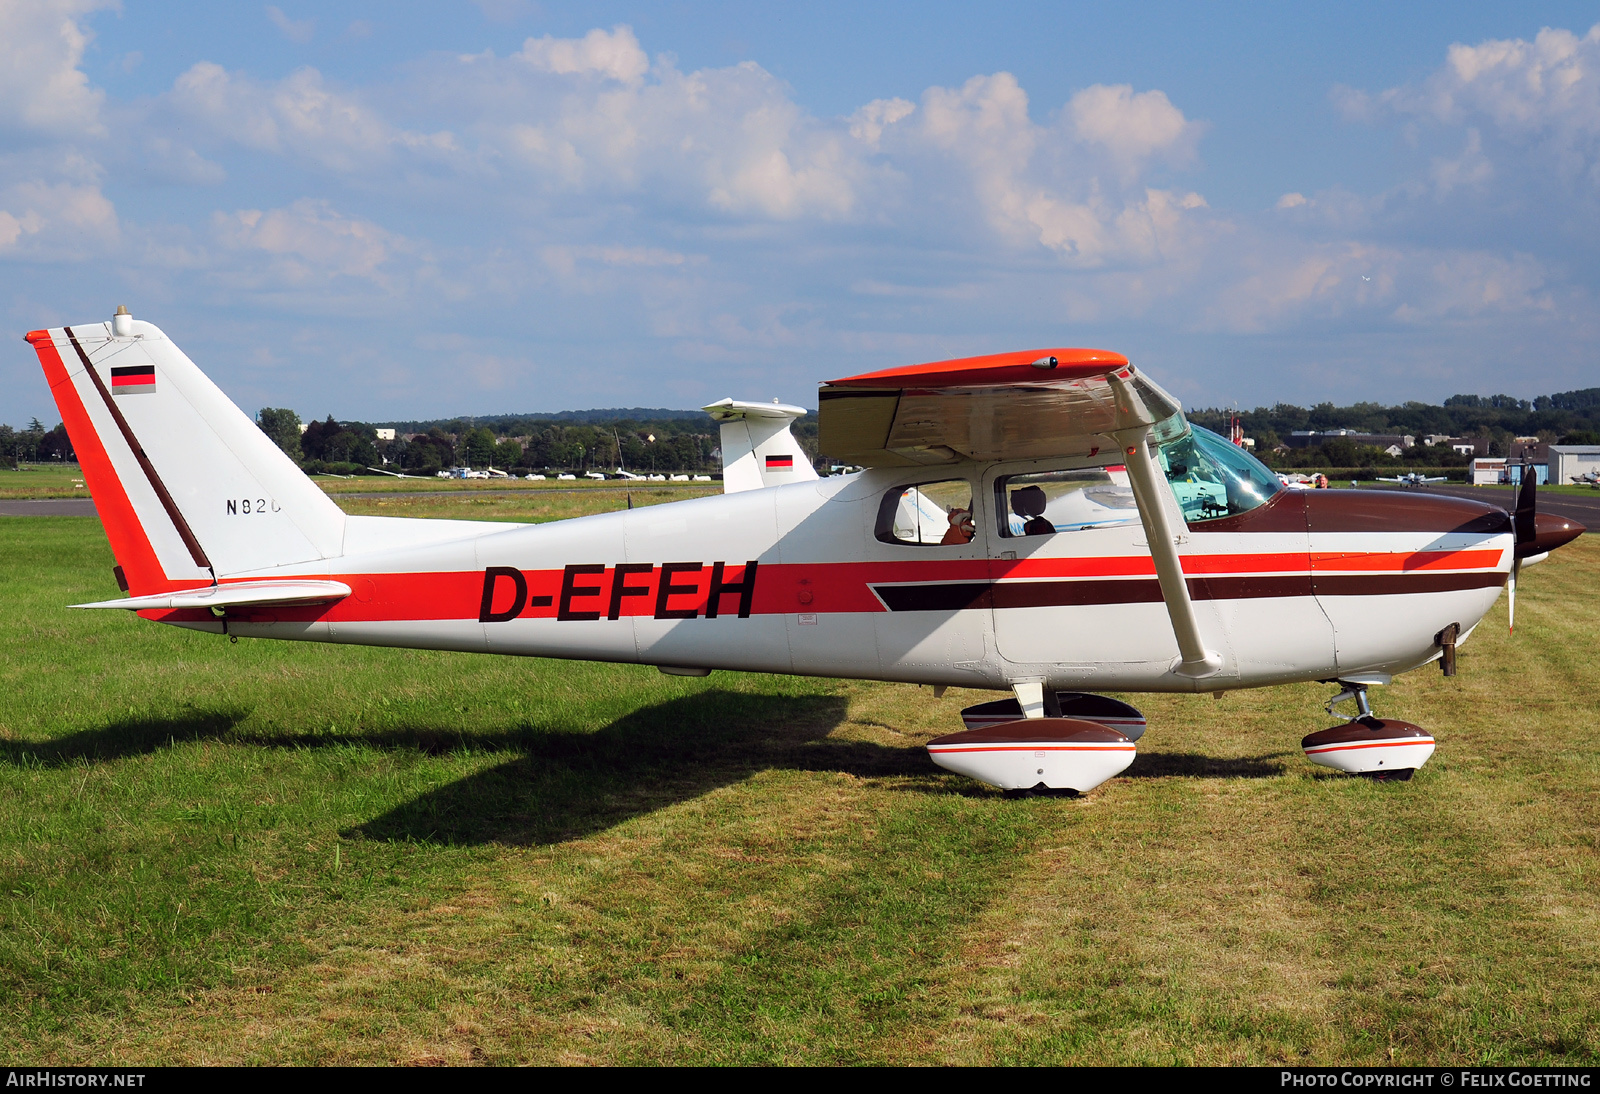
<point x="1028" y="503"/>
<point x="961" y="527"/>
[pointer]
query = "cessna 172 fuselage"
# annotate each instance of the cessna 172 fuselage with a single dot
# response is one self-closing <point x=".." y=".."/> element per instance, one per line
<point x="1043" y="522"/>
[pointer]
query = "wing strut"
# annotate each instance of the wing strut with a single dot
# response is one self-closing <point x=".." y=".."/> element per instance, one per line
<point x="1145" y="479"/>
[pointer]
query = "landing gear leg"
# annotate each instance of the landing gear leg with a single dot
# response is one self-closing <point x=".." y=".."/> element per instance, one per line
<point x="1358" y="692"/>
<point x="1385" y="749"/>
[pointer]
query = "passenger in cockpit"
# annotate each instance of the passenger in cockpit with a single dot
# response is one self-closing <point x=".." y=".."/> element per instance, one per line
<point x="1028" y="503"/>
<point x="961" y="527"/>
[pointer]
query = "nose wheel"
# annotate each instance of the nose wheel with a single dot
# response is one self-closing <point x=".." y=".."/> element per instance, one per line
<point x="1385" y="749"/>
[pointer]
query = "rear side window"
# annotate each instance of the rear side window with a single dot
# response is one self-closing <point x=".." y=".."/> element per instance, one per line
<point x="1064" y="501"/>
<point x="928" y="514"/>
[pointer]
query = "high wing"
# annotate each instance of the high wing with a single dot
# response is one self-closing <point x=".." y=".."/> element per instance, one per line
<point x="1030" y="404"/>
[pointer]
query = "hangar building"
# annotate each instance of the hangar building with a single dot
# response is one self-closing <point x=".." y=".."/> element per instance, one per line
<point x="1570" y="460"/>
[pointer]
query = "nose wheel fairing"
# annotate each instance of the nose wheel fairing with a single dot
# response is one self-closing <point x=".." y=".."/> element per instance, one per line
<point x="1377" y="748"/>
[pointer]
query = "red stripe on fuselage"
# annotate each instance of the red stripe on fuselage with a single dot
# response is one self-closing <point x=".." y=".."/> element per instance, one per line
<point x="831" y="587"/>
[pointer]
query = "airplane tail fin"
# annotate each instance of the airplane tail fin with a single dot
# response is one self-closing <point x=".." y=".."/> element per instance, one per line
<point x="758" y="448"/>
<point x="188" y="488"/>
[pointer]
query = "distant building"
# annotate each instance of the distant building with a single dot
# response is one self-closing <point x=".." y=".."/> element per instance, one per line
<point x="1567" y="461"/>
<point x="1488" y="471"/>
<point x="385" y="434"/>
<point x="1466" y="446"/>
<point x="1529" y="449"/>
<point x="1309" y="438"/>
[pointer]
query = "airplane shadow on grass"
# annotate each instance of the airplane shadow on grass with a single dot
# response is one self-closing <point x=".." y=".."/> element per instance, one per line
<point x="120" y="739"/>
<point x="557" y="785"/>
<point x="564" y="785"/>
<point x="568" y="785"/>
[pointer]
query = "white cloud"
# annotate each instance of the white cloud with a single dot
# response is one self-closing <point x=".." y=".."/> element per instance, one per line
<point x="729" y="139"/>
<point x="1524" y="108"/>
<point x="309" y="241"/>
<point x="868" y="123"/>
<point x="41" y="86"/>
<point x="614" y="55"/>
<point x="565" y="259"/>
<point x="297" y="115"/>
<point x="55" y="220"/>
<point x="1042" y="185"/>
<point x="1134" y="128"/>
<point x="1470" y="168"/>
<point x="301" y="32"/>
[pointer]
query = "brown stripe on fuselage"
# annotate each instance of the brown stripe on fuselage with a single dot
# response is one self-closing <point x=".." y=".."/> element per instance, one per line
<point x="966" y="595"/>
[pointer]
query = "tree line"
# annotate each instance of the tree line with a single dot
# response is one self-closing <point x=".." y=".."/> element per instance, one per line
<point x="518" y="446"/>
<point x="1567" y="417"/>
<point x="34" y="444"/>
<point x="688" y="441"/>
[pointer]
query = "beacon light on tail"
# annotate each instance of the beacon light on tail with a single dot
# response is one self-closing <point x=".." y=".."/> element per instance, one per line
<point x="1044" y="522"/>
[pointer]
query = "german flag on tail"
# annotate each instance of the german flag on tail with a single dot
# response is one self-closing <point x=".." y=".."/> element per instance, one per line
<point x="780" y="463"/>
<point x="133" y="380"/>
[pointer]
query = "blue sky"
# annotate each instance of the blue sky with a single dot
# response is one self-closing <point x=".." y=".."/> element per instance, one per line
<point x="389" y="211"/>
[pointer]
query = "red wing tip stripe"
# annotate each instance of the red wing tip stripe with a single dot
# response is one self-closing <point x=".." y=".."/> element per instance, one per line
<point x="942" y="749"/>
<point x="1400" y="743"/>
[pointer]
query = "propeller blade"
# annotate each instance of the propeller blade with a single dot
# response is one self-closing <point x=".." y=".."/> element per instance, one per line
<point x="1525" y="525"/>
<point x="1524" y="519"/>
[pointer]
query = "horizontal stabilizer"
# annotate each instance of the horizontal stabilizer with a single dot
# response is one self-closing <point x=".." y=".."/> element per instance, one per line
<point x="236" y="594"/>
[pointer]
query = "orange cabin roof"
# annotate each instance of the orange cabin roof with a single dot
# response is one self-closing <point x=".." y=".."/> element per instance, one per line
<point x="995" y="370"/>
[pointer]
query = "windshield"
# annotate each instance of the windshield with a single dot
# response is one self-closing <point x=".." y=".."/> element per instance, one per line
<point x="1212" y="478"/>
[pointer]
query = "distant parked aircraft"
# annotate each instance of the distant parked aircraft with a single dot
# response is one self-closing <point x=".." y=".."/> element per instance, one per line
<point x="1414" y="478"/>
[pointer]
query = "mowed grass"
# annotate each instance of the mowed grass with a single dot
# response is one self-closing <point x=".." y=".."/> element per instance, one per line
<point x="273" y="852"/>
<point x="43" y="480"/>
<point x="530" y="505"/>
<point x="410" y="484"/>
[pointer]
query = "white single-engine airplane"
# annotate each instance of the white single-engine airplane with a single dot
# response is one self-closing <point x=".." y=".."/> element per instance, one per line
<point x="1414" y="478"/>
<point x="1043" y="522"/>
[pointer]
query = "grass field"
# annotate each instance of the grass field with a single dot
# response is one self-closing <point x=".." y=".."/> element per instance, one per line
<point x="531" y="505"/>
<point x="296" y="853"/>
<point x="43" y="480"/>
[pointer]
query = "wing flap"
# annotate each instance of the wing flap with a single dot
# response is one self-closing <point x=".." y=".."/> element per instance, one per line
<point x="235" y="594"/>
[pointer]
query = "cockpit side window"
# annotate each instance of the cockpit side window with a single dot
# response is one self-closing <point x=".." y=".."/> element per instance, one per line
<point x="1064" y="501"/>
<point x="929" y="514"/>
<point x="1212" y="478"/>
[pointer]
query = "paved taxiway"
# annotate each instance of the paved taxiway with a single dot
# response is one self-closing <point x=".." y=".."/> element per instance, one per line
<point x="47" y="507"/>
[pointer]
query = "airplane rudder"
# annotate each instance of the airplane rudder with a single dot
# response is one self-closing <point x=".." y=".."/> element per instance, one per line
<point x="94" y="444"/>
